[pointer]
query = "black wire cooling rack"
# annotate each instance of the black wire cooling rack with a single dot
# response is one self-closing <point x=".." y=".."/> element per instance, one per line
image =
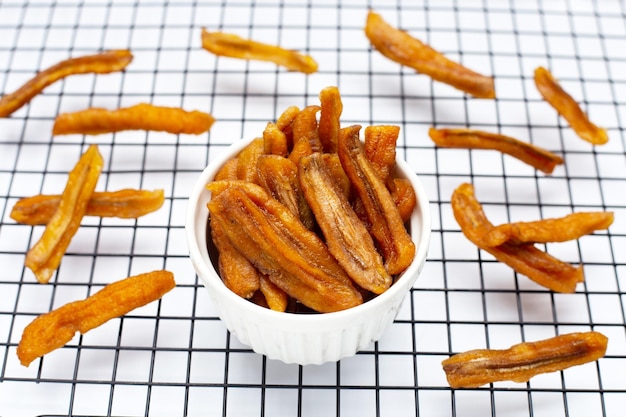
<point x="174" y="357"/>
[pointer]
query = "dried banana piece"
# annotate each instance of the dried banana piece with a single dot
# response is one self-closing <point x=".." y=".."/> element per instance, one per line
<point x="521" y="362"/>
<point x="230" y="45"/>
<point x="275" y="298"/>
<point x="143" y="116"/>
<point x="102" y="63"/>
<point x="330" y="113"/>
<point x="403" y="195"/>
<point x="526" y="259"/>
<point x="281" y="247"/>
<point x="127" y="204"/>
<point x="52" y="330"/>
<point x="387" y="225"/>
<point x="275" y="140"/>
<point x="406" y="50"/>
<point x="380" y="143"/>
<point x="528" y="153"/>
<point x="568" y="108"/>
<point x="236" y="271"/>
<point x="45" y="256"/>
<point x="247" y="161"/>
<point x="347" y="238"/>
<point x="570" y="227"/>
<point x="279" y="177"/>
<point x="305" y="135"/>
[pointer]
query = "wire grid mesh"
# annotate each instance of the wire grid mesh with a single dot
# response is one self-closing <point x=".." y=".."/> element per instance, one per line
<point x="174" y="357"/>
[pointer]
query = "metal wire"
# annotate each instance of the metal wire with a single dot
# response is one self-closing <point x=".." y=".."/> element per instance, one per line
<point x="175" y="357"/>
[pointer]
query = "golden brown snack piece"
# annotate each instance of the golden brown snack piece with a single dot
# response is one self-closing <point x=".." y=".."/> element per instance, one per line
<point x="127" y="204"/>
<point x="275" y="141"/>
<point x="143" y="116"/>
<point x="528" y="153"/>
<point x="279" y="177"/>
<point x="333" y="163"/>
<point x="228" y="171"/>
<point x="406" y="50"/>
<point x="523" y="361"/>
<point x="45" y="255"/>
<point x="570" y="227"/>
<point x="305" y="135"/>
<point x="403" y="196"/>
<point x="287" y="117"/>
<point x="247" y="161"/>
<point x="53" y="330"/>
<point x="347" y="238"/>
<point x="276" y="299"/>
<point x="102" y="63"/>
<point x="568" y="108"/>
<point x="237" y="273"/>
<point x="526" y="259"/>
<point x="281" y="247"/>
<point x="380" y="143"/>
<point x="330" y="113"/>
<point x="285" y="123"/>
<point x="233" y="46"/>
<point x="387" y="226"/>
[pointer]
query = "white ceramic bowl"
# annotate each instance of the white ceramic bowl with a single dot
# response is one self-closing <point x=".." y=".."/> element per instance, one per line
<point x="301" y="338"/>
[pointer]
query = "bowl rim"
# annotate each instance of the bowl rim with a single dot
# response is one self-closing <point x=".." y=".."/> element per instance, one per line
<point x="195" y="231"/>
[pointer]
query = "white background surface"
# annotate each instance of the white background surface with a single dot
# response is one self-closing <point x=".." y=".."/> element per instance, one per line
<point x="174" y="357"/>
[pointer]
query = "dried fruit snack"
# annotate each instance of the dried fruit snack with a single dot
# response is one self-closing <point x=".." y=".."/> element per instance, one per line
<point x="127" y="204"/>
<point x="143" y="116"/>
<point x="231" y="45"/>
<point x="568" y="108"/>
<point x="53" y="330"/>
<point x="406" y="50"/>
<point x="523" y="361"/>
<point x="102" y="63"/>
<point x="45" y="255"/>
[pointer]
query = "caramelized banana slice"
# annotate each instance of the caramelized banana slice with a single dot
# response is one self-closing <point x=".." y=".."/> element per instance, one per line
<point x="402" y="48"/>
<point x="276" y="299"/>
<point x="285" y="123"/>
<point x="305" y="135"/>
<point x="528" y="153"/>
<point x="568" y="108"/>
<point x="228" y="171"/>
<point x="329" y="123"/>
<point x="102" y="63"/>
<point x="380" y="143"/>
<point x="281" y="247"/>
<point x="279" y="177"/>
<point x="347" y="237"/>
<point x="247" y="161"/>
<point x="333" y="163"/>
<point x="52" y="330"/>
<point x="387" y="226"/>
<point x="237" y="273"/>
<point x="526" y="259"/>
<point x="275" y="140"/>
<point x="45" y="256"/>
<point x="523" y="361"/>
<point x="570" y="227"/>
<point x="143" y="116"/>
<point x="230" y="45"/>
<point x="126" y="204"/>
<point x="403" y="194"/>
